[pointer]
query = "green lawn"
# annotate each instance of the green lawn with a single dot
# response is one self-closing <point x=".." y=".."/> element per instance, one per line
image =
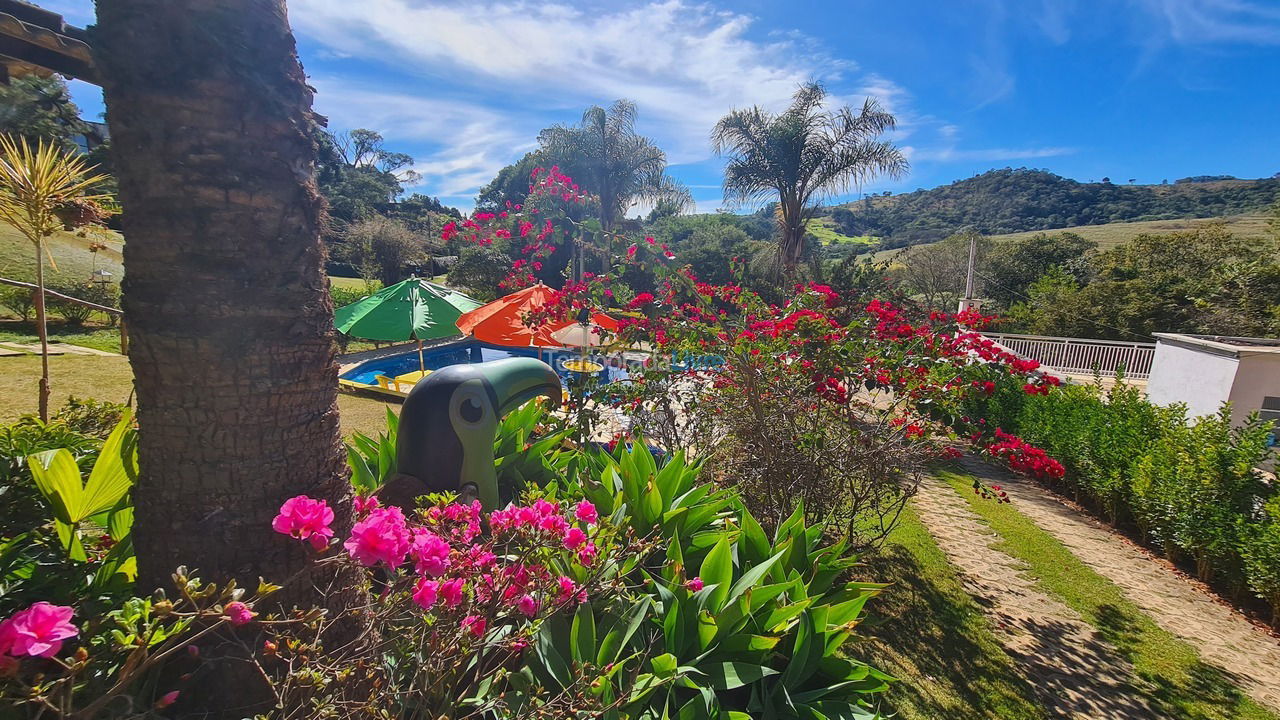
<point x="98" y="336"/>
<point x="110" y="378"/>
<point x="824" y="230"/>
<point x="1182" y="685"/>
<point x="930" y="634"/>
<point x="70" y="253"/>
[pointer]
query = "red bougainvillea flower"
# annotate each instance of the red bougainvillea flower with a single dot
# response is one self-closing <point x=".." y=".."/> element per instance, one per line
<point x="694" y="584"/>
<point x="306" y="519"/>
<point x="382" y="537"/>
<point x="37" y="631"/>
<point x="238" y="613"/>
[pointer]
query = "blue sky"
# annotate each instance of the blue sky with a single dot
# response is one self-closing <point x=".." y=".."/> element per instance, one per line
<point x="1143" y="89"/>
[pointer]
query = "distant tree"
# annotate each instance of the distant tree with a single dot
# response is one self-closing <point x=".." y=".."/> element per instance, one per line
<point x="357" y="175"/>
<point x="479" y="270"/>
<point x="1012" y="265"/>
<point x="610" y="160"/>
<point x="381" y="249"/>
<point x="935" y="274"/>
<point x="39" y="108"/>
<point x="802" y="155"/>
<point x="512" y="182"/>
<point x="422" y="214"/>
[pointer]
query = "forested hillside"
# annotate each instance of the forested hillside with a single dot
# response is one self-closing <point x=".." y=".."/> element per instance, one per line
<point x="1010" y="201"/>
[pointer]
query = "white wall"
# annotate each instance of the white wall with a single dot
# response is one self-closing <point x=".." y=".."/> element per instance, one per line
<point x="1257" y="377"/>
<point x="1200" y="379"/>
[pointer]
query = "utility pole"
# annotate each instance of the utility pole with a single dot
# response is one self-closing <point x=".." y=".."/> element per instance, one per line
<point x="968" y="300"/>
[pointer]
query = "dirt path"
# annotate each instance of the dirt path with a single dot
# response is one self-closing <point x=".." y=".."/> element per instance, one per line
<point x="1222" y="636"/>
<point x="1075" y="672"/>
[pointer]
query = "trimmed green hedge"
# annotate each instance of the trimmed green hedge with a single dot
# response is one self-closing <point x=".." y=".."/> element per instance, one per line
<point x="1189" y="485"/>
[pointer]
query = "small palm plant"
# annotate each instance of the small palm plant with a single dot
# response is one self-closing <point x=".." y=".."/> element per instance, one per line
<point x="35" y="183"/>
<point x="802" y="155"/>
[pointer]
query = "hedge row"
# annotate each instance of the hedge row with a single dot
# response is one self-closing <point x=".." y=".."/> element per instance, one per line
<point x="1190" y="486"/>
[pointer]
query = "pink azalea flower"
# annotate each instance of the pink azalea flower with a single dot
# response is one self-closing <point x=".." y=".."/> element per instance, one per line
<point x="527" y="605"/>
<point x="451" y="592"/>
<point x="238" y="613"/>
<point x="694" y="585"/>
<point x="430" y="553"/>
<point x="569" y="590"/>
<point x="574" y="538"/>
<point x="426" y="592"/>
<point x="473" y="624"/>
<point x="365" y="505"/>
<point x="167" y="699"/>
<point x="586" y="512"/>
<point x="382" y="537"/>
<point x="554" y="524"/>
<point x="587" y="554"/>
<point x="305" y="519"/>
<point x="37" y="631"/>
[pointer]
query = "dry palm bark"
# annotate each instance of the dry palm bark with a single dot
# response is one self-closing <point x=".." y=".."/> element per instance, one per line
<point x="226" y="296"/>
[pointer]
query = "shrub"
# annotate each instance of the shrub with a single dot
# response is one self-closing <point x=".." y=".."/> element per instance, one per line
<point x="106" y="294"/>
<point x="96" y="418"/>
<point x="1260" y="551"/>
<point x="19" y="301"/>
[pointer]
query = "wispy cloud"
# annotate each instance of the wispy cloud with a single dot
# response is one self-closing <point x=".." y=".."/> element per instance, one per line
<point x="1203" y="22"/>
<point x="952" y="154"/>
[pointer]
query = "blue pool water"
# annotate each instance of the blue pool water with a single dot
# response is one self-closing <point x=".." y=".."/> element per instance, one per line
<point x="466" y="351"/>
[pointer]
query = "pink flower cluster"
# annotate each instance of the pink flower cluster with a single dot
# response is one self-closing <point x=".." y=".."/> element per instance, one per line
<point x="456" y="568"/>
<point x="37" y="631"/>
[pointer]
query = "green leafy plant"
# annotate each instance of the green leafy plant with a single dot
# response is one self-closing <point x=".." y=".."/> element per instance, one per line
<point x="100" y="501"/>
<point x="726" y="622"/>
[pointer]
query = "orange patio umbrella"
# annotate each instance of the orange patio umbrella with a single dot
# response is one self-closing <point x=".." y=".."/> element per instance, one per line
<point x="501" y="321"/>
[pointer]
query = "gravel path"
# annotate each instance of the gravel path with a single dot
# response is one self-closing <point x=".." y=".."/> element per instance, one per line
<point x="1075" y="672"/>
<point x="1221" y="635"/>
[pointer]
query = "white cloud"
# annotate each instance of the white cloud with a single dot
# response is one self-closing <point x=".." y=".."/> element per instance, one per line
<point x="469" y="143"/>
<point x="952" y="154"/>
<point x="1198" y="22"/>
<point x="684" y="65"/>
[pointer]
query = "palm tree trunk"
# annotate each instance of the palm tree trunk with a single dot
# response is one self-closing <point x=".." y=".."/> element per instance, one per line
<point x="42" y="331"/>
<point x="232" y="340"/>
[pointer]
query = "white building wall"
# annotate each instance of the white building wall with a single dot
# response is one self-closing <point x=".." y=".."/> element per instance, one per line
<point x="1257" y="377"/>
<point x="1202" y="380"/>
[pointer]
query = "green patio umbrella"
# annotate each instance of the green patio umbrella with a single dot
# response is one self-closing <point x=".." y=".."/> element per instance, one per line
<point x="411" y="310"/>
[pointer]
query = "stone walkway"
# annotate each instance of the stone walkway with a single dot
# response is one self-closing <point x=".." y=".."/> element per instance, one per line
<point x="1075" y="672"/>
<point x="1221" y="636"/>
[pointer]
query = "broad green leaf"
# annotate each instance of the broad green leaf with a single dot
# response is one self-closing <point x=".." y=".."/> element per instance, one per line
<point x="717" y="569"/>
<point x="664" y="665"/>
<point x="582" y="635"/>
<point x="618" y="638"/>
<point x="730" y="675"/>
<point x="57" y="477"/>
<point x="113" y="473"/>
<point x="120" y="522"/>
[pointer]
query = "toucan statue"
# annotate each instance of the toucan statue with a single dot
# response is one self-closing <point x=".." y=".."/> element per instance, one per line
<point x="449" y="422"/>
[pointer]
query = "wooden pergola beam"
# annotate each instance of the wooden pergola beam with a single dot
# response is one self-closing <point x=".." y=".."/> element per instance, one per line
<point x="33" y="39"/>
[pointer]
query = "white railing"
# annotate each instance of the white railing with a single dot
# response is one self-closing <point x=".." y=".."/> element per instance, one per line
<point x="1080" y="356"/>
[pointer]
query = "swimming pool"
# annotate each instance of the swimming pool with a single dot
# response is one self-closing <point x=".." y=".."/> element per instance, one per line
<point x="457" y="353"/>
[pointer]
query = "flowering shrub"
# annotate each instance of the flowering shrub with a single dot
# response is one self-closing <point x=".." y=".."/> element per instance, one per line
<point x="460" y="597"/>
<point x="1023" y="457"/>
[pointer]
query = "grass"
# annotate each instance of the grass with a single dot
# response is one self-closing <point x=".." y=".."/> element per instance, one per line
<point x="347" y="283"/>
<point x="824" y="230"/>
<point x="111" y="378"/>
<point x="1113" y="234"/>
<point x="1178" y="682"/>
<point x="90" y="335"/>
<point x="70" y="252"/>
<point x="930" y="634"/>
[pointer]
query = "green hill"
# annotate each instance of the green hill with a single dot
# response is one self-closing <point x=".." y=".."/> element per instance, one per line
<point x="71" y="254"/>
<point x="1013" y="201"/>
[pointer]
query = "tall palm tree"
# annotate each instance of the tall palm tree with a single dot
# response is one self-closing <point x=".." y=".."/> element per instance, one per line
<point x="35" y="182"/>
<point x="801" y="156"/>
<point x="233" y="347"/>
<point x="610" y="160"/>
